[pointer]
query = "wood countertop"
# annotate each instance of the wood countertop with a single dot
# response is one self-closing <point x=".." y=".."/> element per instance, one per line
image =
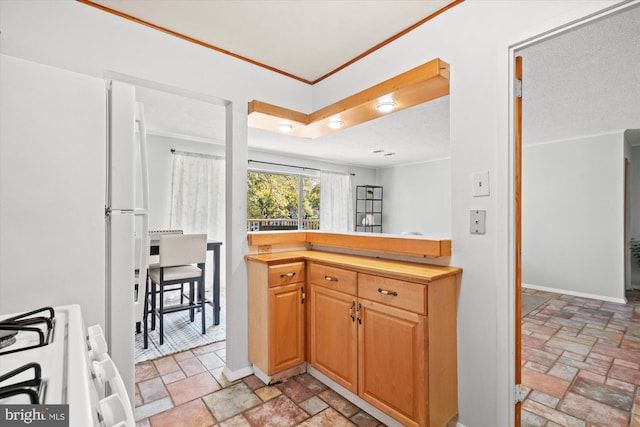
<point x="415" y="272"/>
<point x="410" y="245"/>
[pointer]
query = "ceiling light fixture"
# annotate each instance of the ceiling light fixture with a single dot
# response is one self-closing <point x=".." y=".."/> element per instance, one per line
<point x="389" y="154"/>
<point x="335" y="124"/>
<point x="385" y="107"/>
<point x="285" y="127"/>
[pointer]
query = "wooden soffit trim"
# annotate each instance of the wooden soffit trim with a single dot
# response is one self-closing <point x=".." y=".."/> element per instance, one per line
<point x="416" y="86"/>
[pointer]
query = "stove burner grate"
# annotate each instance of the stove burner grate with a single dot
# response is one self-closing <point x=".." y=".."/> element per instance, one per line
<point x="29" y="324"/>
<point x="33" y="388"/>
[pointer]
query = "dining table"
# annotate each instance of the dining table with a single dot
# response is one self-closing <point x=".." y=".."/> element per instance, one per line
<point x="214" y="247"/>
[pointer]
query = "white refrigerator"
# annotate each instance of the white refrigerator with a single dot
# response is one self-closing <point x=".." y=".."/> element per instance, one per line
<point x="126" y="216"/>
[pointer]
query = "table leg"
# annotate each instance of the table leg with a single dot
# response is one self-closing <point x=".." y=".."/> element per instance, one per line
<point x="201" y="298"/>
<point x="216" y="286"/>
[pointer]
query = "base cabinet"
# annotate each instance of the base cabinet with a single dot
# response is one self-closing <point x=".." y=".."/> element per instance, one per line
<point x="276" y="316"/>
<point x="392" y="353"/>
<point x="333" y="335"/>
<point x="286" y="327"/>
<point x="390" y="341"/>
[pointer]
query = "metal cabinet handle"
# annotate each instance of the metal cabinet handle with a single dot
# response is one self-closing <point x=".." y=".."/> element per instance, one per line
<point x="303" y="295"/>
<point x="330" y="279"/>
<point x="352" y="311"/>
<point x="359" y="314"/>
<point x="386" y="292"/>
<point x="288" y="274"/>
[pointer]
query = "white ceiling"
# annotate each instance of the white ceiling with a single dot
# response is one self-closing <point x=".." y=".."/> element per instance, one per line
<point x="583" y="82"/>
<point x="306" y="39"/>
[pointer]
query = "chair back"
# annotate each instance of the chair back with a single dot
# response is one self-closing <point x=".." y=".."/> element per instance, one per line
<point x="182" y="249"/>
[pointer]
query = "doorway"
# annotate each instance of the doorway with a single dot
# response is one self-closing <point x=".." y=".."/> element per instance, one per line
<point x="192" y="126"/>
<point x="573" y="160"/>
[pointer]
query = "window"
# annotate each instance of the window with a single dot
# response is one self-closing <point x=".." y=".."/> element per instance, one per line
<point x="282" y="202"/>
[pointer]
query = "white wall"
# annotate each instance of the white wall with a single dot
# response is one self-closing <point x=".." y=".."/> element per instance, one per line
<point x="417" y="198"/>
<point x="474" y="37"/>
<point x="48" y="32"/>
<point x="51" y="217"/>
<point x="573" y="216"/>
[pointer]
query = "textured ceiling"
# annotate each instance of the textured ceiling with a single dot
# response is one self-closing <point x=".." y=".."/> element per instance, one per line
<point x="583" y="82"/>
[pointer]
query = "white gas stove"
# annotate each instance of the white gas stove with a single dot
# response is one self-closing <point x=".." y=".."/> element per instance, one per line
<point x="48" y="358"/>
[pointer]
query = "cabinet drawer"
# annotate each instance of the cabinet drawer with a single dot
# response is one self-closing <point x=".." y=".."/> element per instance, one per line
<point x="283" y="274"/>
<point x="396" y="293"/>
<point x="332" y="277"/>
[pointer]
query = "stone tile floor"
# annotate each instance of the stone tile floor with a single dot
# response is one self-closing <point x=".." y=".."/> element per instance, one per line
<point x="581" y="362"/>
<point x="188" y="389"/>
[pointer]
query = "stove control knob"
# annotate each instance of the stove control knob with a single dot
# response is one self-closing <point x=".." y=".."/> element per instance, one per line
<point x="104" y="370"/>
<point x="94" y="330"/>
<point x="112" y="411"/>
<point x="98" y="346"/>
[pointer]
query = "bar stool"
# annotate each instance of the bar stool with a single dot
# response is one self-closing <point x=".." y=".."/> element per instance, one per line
<point x="178" y="254"/>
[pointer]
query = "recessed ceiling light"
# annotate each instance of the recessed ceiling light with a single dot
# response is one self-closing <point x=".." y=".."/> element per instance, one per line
<point x="335" y="124"/>
<point x="285" y="127"/>
<point x="385" y="107"/>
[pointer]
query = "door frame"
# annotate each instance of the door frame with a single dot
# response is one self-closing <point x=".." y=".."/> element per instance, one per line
<point x="515" y="194"/>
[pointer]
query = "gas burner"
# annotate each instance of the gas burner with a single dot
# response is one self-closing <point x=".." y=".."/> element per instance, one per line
<point x="33" y="387"/>
<point x="7" y="338"/>
<point x="26" y="331"/>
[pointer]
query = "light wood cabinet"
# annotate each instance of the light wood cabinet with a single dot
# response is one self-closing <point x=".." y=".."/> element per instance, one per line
<point x="384" y="330"/>
<point x="333" y="335"/>
<point x="276" y="316"/>
<point x="392" y="356"/>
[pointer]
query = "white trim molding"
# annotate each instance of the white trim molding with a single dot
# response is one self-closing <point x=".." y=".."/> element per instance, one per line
<point x="575" y="293"/>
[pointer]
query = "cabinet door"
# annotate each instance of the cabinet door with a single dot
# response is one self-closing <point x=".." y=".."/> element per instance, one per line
<point x="393" y="360"/>
<point x="333" y="336"/>
<point x="286" y="327"/>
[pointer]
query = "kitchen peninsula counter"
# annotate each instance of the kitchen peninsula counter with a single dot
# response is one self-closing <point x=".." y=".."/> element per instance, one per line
<point x="416" y="272"/>
<point x="389" y="243"/>
<point x="371" y="328"/>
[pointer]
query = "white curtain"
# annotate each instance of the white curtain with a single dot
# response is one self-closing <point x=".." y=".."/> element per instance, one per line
<point x="197" y="194"/>
<point x="336" y="202"/>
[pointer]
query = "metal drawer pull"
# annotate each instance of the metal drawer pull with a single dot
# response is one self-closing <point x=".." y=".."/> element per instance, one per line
<point x="330" y="279"/>
<point x="385" y="292"/>
<point x="352" y="310"/>
<point x="288" y="274"/>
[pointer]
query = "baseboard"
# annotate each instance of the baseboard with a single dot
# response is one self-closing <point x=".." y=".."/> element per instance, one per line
<point x="238" y="373"/>
<point x="575" y="293"/>
<point x="367" y="407"/>
<point x="280" y="376"/>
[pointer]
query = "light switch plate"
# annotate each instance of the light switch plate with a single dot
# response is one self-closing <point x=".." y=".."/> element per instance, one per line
<point x="477" y="221"/>
<point x="481" y="184"/>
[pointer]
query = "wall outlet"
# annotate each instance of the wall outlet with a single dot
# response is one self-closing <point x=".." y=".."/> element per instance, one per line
<point x="264" y="249"/>
<point x="481" y="184"/>
<point x="477" y="221"/>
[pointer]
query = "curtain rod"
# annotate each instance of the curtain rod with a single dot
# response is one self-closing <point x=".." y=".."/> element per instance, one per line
<point x="298" y="167"/>
<point x="174" y="151"/>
